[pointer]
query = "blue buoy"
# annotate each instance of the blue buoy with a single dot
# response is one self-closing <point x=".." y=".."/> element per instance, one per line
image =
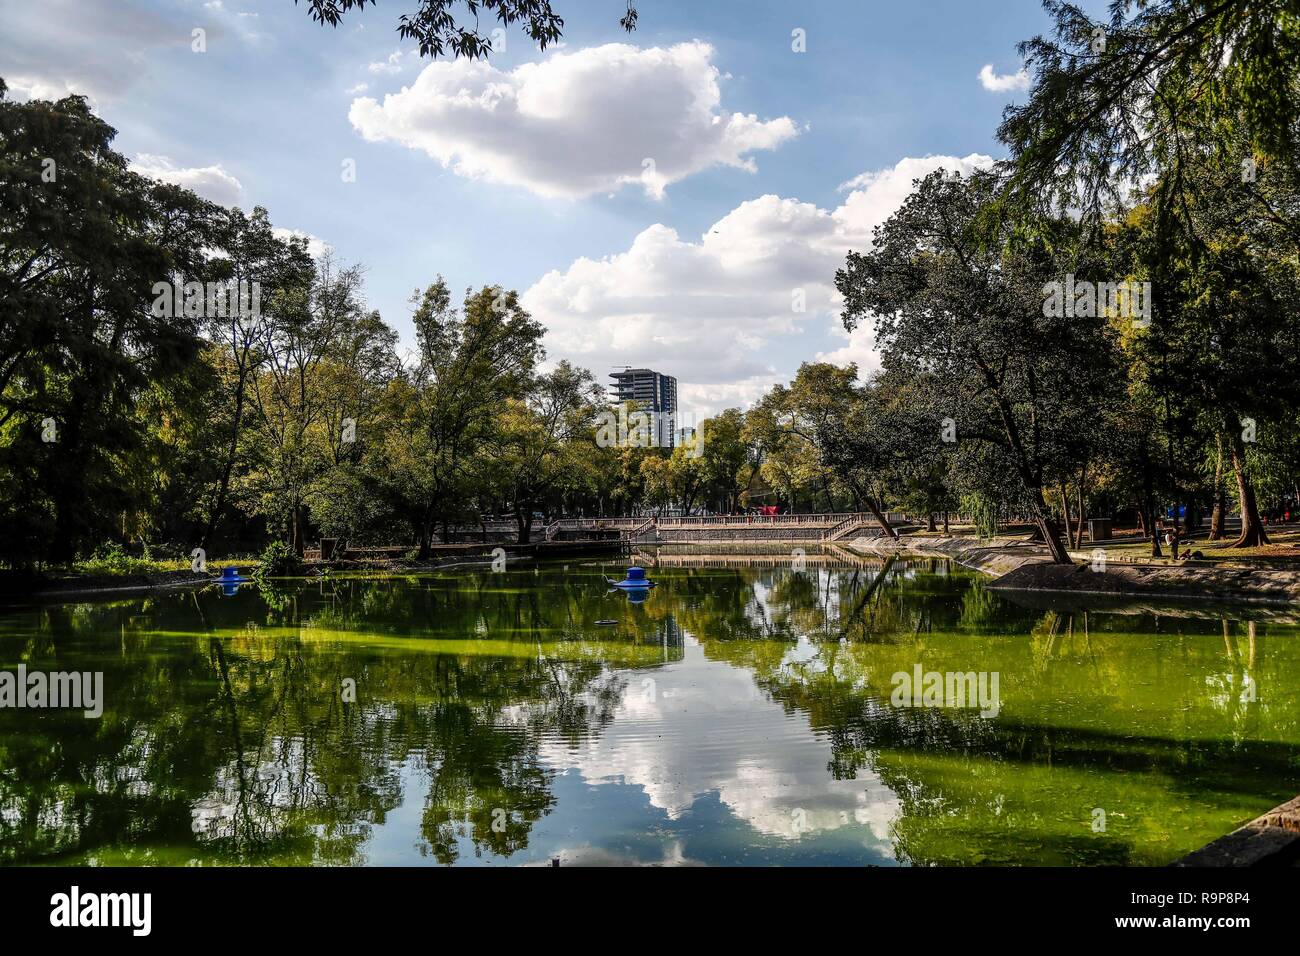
<point x="635" y="580"/>
<point x="230" y="580"/>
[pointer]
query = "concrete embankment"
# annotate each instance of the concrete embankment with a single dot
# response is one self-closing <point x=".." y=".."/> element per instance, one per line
<point x="1017" y="564"/>
<point x="1156" y="581"/>
<point x="993" y="556"/>
<point x="1270" y="840"/>
<point x="77" y="584"/>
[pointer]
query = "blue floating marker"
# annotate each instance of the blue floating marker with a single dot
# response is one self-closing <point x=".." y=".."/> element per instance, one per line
<point x="635" y="580"/>
<point x="230" y="580"/>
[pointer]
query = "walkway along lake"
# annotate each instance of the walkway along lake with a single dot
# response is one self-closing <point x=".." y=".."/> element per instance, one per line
<point x="742" y="714"/>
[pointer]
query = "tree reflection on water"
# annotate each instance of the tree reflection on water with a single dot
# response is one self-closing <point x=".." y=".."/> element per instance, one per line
<point x="230" y="735"/>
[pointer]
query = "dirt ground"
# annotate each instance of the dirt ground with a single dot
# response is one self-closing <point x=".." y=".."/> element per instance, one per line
<point x="1283" y="547"/>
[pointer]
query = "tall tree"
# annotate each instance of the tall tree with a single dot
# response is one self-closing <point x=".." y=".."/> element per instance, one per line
<point x="253" y="255"/>
<point x="83" y="242"/>
<point x="469" y="363"/>
<point x="724" y="453"/>
<point x="292" y="398"/>
<point x="959" y="296"/>
<point x="538" y="441"/>
<point x="1179" y="94"/>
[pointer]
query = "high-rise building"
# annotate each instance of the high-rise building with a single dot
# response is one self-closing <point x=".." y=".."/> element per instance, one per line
<point x="652" y="392"/>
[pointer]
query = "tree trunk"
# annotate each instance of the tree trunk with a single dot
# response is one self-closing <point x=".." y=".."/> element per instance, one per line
<point x="426" y="537"/>
<point x="1049" y="529"/>
<point x="1192" y="518"/>
<point x="1149" y="504"/>
<point x="1065" y="513"/>
<point x="228" y="466"/>
<point x="1154" y="524"/>
<point x="930" y="524"/>
<point x="830" y="498"/>
<point x="874" y="508"/>
<point x="1252" y="528"/>
<point x="1220" y="496"/>
<point x="1051" y="533"/>
<point x="1078" y="525"/>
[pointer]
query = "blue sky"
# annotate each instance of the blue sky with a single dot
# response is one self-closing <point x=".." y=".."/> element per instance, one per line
<point x="529" y="170"/>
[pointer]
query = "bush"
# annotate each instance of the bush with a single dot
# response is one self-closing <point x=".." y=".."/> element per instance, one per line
<point x="278" y="561"/>
<point x="115" y="560"/>
<point x="983" y="511"/>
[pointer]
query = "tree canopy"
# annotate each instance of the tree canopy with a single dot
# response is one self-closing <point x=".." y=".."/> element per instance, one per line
<point x="440" y="26"/>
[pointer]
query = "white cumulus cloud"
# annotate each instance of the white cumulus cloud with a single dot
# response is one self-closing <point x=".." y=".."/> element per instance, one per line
<point x="97" y="48"/>
<point x="316" y="247"/>
<point x="774" y="780"/>
<point x="859" y="350"/>
<point x="721" y="312"/>
<point x="576" y="123"/>
<point x="391" y="66"/>
<point x="210" y="182"/>
<point x="1002" y="83"/>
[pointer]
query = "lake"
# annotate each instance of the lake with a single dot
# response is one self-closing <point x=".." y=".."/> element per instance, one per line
<point x="743" y="713"/>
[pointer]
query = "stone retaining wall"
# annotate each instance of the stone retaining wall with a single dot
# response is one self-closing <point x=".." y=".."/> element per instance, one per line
<point x="1270" y="840"/>
<point x="1018" y="564"/>
<point x="754" y="534"/>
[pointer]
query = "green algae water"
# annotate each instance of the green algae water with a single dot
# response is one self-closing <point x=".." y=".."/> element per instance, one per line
<point x="740" y="714"/>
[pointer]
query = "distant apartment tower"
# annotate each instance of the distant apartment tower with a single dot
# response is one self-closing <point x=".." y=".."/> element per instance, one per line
<point x="652" y="392"/>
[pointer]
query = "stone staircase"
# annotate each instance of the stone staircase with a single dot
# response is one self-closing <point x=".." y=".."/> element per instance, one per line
<point x="641" y="529"/>
<point x="852" y="523"/>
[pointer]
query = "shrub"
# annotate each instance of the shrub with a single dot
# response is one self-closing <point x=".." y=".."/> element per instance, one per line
<point x="278" y="561"/>
<point x="115" y="560"/>
<point x="983" y="511"/>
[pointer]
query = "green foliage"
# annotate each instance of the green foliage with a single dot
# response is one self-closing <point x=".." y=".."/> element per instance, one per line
<point x="1197" y="101"/>
<point x="959" y="316"/>
<point x="983" y="512"/>
<point x="83" y="358"/>
<point x="472" y="363"/>
<point x="435" y="27"/>
<point x="114" y="560"/>
<point x="1143" y="94"/>
<point x="122" y="426"/>
<point x="279" y="560"/>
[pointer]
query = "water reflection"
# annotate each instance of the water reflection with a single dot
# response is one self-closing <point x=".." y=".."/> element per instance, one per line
<point x="740" y="714"/>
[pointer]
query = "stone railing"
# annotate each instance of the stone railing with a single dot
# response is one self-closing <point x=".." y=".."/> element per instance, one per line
<point x="772" y="521"/>
<point x="822" y="522"/>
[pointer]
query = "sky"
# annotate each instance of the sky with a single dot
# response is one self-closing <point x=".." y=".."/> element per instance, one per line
<point x="678" y="198"/>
